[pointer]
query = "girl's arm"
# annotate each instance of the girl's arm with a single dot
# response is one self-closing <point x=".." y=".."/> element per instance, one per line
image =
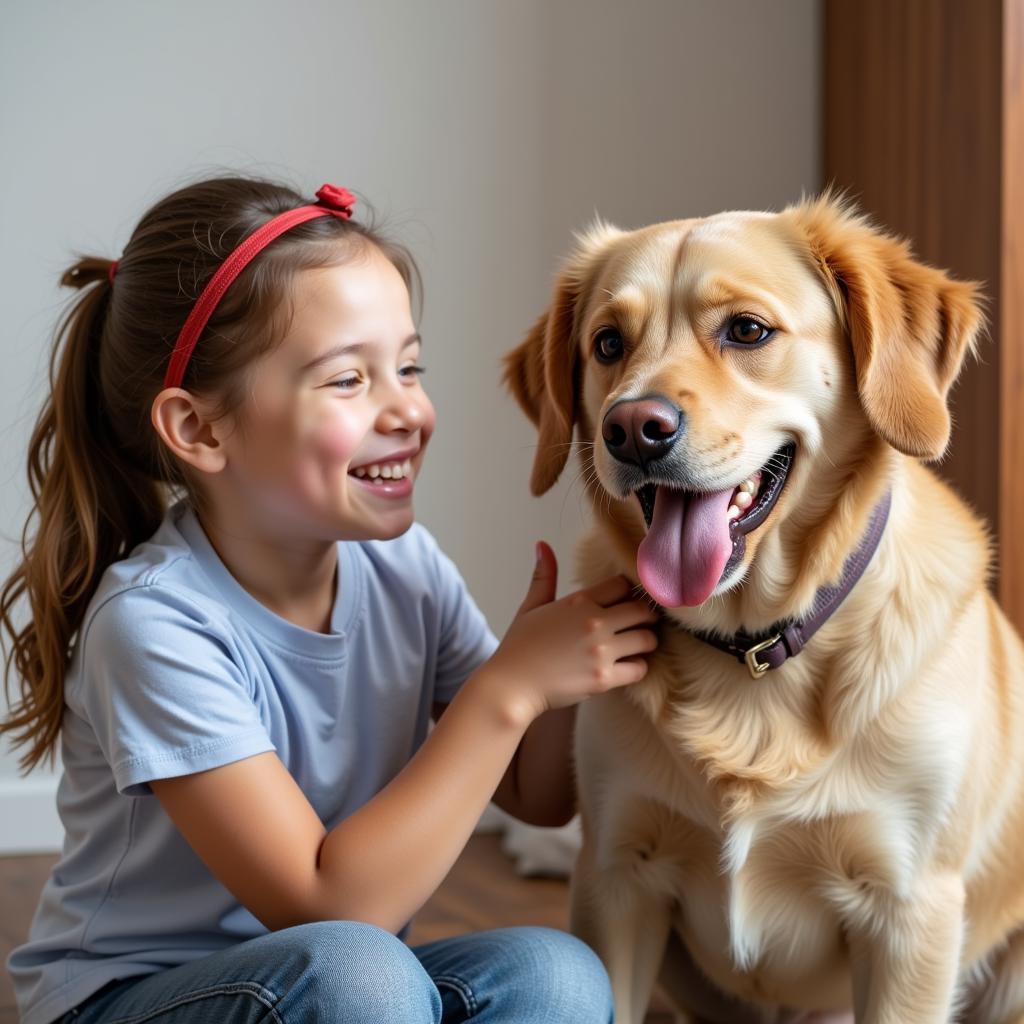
<point x="257" y="832"/>
<point x="538" y="786"/>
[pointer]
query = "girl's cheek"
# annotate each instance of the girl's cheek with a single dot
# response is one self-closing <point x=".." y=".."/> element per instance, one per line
<point x="338" y="438"/>
<point x="339" y="445"/>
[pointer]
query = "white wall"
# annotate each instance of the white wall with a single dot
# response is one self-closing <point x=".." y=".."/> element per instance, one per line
<point x="486" y="130"/>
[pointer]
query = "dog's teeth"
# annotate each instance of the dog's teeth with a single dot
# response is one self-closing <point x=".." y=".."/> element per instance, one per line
<point x="734" y="511"/>
<point x="743" y="499"/>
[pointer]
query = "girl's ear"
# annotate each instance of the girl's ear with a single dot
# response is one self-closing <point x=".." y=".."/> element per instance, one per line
<point x="909" y="324"/>
<point x="185" y="427"/>
<point x="543" y="371"/>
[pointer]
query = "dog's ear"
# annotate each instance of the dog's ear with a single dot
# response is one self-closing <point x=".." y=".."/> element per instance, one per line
<point x="543" y="371"/>
<point x="910" y="325"/>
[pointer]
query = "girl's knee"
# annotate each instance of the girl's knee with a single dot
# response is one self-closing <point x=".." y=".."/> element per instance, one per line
<point x="356" y="972"/>
<point x="562" y="977"/>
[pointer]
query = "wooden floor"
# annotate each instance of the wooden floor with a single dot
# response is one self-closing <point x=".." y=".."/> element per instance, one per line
<point x="482" y="891"/>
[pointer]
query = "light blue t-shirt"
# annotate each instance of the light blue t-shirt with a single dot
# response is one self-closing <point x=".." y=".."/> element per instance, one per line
<point x="179" y="669"/>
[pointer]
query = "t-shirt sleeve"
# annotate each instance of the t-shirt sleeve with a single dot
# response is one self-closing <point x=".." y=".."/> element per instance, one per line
<point x="465" y="641"/>
<point x="163" y="687"/>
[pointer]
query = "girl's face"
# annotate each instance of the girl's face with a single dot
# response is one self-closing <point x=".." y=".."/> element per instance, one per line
<point x="334" y="429"/>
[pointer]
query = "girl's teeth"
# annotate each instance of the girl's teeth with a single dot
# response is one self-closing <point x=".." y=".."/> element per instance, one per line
<point x="378" y="473"/>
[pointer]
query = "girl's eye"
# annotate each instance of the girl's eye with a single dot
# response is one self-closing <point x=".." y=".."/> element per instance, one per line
<point x="745" y="330"/>
<point x="353" y="381"/>
<point x="608" y="345"/>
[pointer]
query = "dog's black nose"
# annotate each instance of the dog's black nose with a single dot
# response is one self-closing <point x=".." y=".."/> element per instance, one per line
<point x="641" y="430"/>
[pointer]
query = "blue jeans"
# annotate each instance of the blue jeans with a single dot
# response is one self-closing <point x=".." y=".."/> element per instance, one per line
<point x="343" y="972"/>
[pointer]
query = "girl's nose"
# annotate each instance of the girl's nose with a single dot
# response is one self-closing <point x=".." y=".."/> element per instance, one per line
<point x="404" y="410"/>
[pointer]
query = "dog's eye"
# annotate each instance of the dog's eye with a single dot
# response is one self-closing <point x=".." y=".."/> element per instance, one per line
<point x="745" y="330"/>
<point x="608" y="345"/>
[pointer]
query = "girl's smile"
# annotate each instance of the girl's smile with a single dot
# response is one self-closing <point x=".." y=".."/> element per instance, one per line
<point x="390" y="478"/>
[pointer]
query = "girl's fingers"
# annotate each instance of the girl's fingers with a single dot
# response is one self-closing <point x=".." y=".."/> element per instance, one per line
<point x="629" y="670"/>
<point x="629" y="614"/>
<point x="633" y="641"/>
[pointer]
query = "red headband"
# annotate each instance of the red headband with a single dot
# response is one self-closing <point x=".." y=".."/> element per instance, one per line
<point x="332" y="199"/>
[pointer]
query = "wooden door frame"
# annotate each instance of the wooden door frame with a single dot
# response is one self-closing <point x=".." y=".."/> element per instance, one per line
<point x="1009" y="334"/>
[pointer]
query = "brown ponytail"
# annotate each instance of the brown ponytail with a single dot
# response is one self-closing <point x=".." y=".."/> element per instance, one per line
<point x="92" y="507"/>
<point x="99" y="476"/>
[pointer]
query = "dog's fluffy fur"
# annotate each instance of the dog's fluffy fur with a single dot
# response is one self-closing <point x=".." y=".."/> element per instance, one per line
<point x="844" y="833"/>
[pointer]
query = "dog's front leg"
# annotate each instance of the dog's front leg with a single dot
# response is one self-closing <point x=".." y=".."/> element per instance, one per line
<point x="905" y="952"/>
<point x="626" y="925"/>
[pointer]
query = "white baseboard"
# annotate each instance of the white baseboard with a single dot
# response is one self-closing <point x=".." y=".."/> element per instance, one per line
<point x="28" y="816"/>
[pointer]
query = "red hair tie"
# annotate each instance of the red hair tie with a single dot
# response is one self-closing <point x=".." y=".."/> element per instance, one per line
<point x="332" y="200"/>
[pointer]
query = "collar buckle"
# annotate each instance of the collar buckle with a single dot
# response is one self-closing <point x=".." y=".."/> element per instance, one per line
<point x="758" y="668"/>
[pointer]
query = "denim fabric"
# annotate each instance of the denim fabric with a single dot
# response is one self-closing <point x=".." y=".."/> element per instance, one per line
<point x="345" y="972"/>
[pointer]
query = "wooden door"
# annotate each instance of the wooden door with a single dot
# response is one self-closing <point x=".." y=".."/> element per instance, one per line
<point x="924" y="125"/>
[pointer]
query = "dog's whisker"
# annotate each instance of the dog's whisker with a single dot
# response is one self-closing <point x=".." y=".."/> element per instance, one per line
<point x="586" y="469"/>
<point x="583" y="470"/>
<point x="559" y="444"/>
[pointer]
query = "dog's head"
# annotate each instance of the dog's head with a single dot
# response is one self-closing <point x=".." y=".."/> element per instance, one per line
<point x="716" y="368"/>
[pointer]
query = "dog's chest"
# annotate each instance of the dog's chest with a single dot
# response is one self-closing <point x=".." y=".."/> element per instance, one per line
<point x="758" y="859"/>
<point x="766" y="923"/>
<point x="765" y="930"/>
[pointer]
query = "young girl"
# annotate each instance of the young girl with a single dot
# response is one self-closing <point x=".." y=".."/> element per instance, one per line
<point x="242" y="682"/>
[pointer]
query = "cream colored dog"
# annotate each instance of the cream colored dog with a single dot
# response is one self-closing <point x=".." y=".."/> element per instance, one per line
<point x="843" y="832"/>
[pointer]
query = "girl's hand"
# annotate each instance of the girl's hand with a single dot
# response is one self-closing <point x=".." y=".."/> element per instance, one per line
<point x="556" y="653"/>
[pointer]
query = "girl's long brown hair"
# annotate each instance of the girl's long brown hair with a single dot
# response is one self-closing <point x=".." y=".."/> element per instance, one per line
<point x="100" y="477"/>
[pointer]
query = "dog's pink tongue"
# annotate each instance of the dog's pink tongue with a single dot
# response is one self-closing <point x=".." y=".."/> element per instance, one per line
<point x="681" y="559"/>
